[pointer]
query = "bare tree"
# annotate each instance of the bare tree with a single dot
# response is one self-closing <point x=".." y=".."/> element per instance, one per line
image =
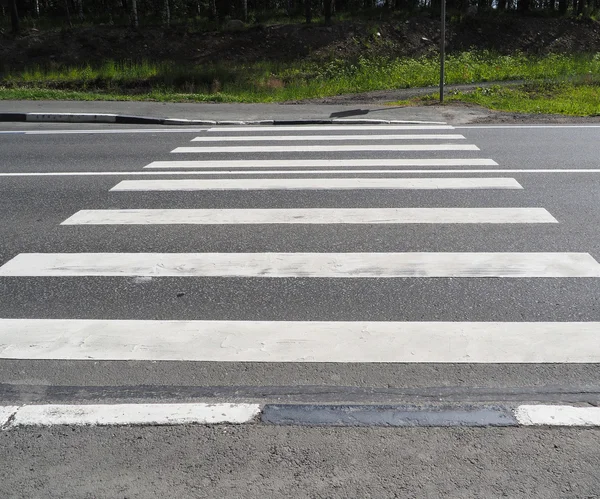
<point x="14" y="16"/>
<point x="134" y="14"/>
<point x="328" y="11"/>
<point x="166" y="14"/>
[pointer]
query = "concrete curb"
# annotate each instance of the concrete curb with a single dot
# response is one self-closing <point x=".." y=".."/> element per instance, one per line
<point x="146" y="120"/>
<point x="363" y="415"/>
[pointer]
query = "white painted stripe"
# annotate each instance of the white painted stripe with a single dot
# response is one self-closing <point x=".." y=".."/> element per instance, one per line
<point x="134" y="414"/>
<point x="312" y="216"/>
<point x="316" y="184"/>
<point x="173" y="173"/>
<point x="310" y="341"/>
<point x="491" y="127"/>
<point x="6" y="411"/>
<point x="298" y="138"/>
<point x="328" y="148"/>
<point x="335" y="265"/>
<point x="557" y="415"/>
<point x="322" y="163"/>
<point x="323" y="128"/>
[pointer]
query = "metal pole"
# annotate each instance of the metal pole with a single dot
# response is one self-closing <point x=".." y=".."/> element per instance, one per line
<point x="442" y="51"/>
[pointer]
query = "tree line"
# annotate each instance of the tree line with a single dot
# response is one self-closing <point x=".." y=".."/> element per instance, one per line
<point x="167" y="12"/>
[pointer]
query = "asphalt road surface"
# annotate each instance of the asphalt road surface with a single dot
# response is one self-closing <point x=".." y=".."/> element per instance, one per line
<point x="369" y="265"/>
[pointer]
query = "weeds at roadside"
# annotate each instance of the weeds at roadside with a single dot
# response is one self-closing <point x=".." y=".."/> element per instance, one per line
<point x="277" y="82"/>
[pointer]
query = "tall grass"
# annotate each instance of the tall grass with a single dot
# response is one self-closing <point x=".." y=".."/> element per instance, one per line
<point x="537" y="98"/>
<point x="274" y="82"/>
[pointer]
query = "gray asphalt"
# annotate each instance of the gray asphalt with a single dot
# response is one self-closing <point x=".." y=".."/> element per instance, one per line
<point x="256" y="461"/>
<point x="274" y="462"/>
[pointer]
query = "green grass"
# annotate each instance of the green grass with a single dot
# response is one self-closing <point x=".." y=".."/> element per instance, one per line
<point x="581" y="99"/>
<point x="277" y="82"/>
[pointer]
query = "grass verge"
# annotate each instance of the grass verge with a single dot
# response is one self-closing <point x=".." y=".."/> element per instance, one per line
<point x="278" y="82"/>
<point x="570" y="99"/>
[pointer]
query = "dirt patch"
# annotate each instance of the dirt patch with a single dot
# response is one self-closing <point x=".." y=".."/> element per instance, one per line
<point x="344" y="40"/>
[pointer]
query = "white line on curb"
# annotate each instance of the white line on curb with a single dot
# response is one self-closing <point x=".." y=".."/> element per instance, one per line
<point x="557" y="415"/>
<point x="130" y="414"/>
<point x="72" y="117"/>
<point x="6" y="412"/>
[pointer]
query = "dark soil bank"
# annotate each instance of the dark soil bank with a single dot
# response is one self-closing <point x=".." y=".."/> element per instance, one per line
<point x="344" y="40"/>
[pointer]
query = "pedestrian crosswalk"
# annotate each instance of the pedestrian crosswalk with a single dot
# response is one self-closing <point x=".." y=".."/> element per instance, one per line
<point x="316" y="184"/>
<point x="311" y="216"/>
<point x="306" y="161"/>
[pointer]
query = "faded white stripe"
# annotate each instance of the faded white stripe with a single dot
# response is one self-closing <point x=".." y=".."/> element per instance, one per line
<point x="557" y="415"/>
<point x="323" y="163"/>
<point x="134" y="414"/>
<point x="312" y="216"/>
<point x="335" y="265"/>
<point x="328" y="148"/>
<point x="316" y="184"/>
<point x="307" y="138"/>
<point x="291" y="341"/>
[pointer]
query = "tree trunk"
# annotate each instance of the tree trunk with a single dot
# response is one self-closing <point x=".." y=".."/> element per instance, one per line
<point x="308" y="11"/>
<point x="562" y="6"/>
<point x="523" y="5"/>
<point x="167" y="14"/>
<point x="14" y="16"/>
<point x="328" y="11"/>
<point x="68" y="12"/>
<point x="134" y="14"/>
<point x="245" y="10"/>
<point x="502" y="5"/>
<point x="80" y="9"/>
<point x="36" y="8"/>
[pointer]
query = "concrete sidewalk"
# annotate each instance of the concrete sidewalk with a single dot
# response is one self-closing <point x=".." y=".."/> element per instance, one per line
<point x="251" y="112"/>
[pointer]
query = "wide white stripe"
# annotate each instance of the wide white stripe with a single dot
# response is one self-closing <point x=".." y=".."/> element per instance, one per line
<point x="312" y="216"/>
<point x="336" y="265"/>
<point x="328" y="148"/>
<point x="492" y="127"/>
<point x="322" y="163"/>
<point x="323" y="128"/>
<point x="316" y="184"/>
<point x="557" y="415"/>
<point x="134" y="414"/>
<point x="303" y="138"/>
<point x="311" y="341"/>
